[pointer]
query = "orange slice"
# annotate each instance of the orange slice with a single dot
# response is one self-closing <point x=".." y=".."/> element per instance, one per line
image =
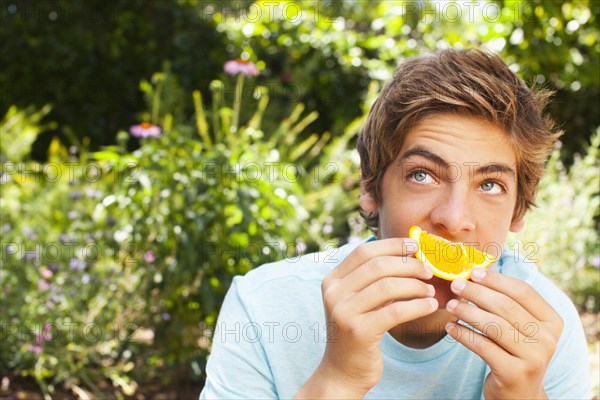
<point x="448" y="260"/>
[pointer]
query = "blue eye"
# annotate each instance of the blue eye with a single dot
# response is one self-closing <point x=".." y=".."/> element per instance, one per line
<point x="491" y="187"/>
<point x="420" y="176"/>
<point x="487" y="186"/>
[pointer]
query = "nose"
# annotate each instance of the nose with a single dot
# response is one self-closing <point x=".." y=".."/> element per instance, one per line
<point x="453" y="214"/>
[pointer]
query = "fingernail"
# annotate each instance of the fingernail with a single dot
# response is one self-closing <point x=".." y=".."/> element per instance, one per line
<point x="478" y="273"/>
<point x="430" y="290"/>
<point x="428" y="270"/>
<point x="452" y="304"/>
<point x="433" y="302"/>
<point x="450" y="326"/>
<point x="458" y="285"/>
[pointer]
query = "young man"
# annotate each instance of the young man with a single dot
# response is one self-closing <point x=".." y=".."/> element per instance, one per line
<point x="456" y="144"/>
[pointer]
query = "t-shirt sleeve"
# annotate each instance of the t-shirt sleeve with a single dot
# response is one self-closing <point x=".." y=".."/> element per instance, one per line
<point x="237" y="366"/>
<point x="568" y="375"/>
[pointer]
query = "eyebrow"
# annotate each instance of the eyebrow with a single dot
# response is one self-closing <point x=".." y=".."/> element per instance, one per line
<point x="486" y="169"/>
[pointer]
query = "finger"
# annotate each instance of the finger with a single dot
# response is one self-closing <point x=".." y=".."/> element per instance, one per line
<point x="525" y="295"/>
<point x="490" y="352"/>
<point x="389" y="289"/>
<point x="496" y="303"/>
<point x="376" y="269"/>
<point x="387" y="317"/>
<point x="369" y="250"/>
<point x="492" y="326"/>
<point x="384" y="266"/>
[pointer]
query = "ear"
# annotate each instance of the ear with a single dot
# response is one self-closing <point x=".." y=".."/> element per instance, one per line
<point x="517" y="226"/>
<point x="366" y="201"/>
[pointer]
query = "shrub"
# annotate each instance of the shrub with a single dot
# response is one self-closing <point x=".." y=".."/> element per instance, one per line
<point x="115" y="263"/>
<point x="561" y="234"/>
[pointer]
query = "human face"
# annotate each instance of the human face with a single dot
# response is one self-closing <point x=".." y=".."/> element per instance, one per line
<point x="454" y="177"/>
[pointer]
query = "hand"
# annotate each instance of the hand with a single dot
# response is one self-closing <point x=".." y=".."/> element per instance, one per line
<point x="378" y="286"/>
<point x="522" y="331"/>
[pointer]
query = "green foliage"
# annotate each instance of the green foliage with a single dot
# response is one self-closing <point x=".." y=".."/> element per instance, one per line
<point x="561" y="234"/>
<point x="331" y="51"/>
<point x="84" y="58"/>
<point x="20" y="128"/>
<point x="115" y="264"/>
<point x="62" y="305"/>
<point x="87" y="59"/>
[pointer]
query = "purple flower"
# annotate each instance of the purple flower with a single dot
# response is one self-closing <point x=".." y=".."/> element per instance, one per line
<point x="32" y="255"/>
<point x="92" y="193"/>
<point x="144" y="130"/>
<point x="239" y="66"/>
<point x="6" y="228"/>
<point x="74" y="194"/>
<point x="9" y="249"/>
<point x="72" y="215"/>
<point x="85" y="279"/>
<point x="166" y="316"/>
<point x="34" y="349"/>
<point x="45" y="335"/>
<point x="42" y="285"/>
<point x="77" y="264"/>
<point x="149" y="257"/>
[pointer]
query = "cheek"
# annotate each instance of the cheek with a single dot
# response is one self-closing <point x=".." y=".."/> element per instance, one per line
<point x="400" y="211"/>
<point x="492" y="229"/>
<point x="493" y="216"/>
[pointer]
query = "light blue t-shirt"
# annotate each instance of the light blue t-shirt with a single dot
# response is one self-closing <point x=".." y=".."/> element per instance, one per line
<point x="271" y="336"/>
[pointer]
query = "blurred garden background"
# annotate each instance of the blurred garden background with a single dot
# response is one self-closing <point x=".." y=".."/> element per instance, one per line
<point x="139" y="176"/>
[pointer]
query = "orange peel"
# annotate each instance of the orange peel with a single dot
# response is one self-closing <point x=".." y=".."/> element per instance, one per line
<point x="449" y="260"/>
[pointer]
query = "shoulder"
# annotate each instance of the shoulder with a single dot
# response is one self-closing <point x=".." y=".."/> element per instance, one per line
<point x="568" y="374"/>
<point x="529" y="272"/>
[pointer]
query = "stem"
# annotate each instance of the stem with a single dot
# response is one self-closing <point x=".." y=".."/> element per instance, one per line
<point x="215" y="115"/>
<point x="217" y="93"/>
<point x="262" y="105"/>
<point x="201" y="124"/>
<point x="237" y="102"/>
<point x="88" y="381"/>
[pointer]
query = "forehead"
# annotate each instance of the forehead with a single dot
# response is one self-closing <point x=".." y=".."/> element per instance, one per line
<point x="461" y="139"/>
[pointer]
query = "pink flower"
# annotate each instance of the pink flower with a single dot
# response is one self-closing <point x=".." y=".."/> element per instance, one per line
<point x="239" y="66"/>
<point x="34" y="349"/>
<point x="144" y="130"/>
<point x="42" y="285"/>
<point x="46" y="273"/>
<point x="149" y="257"/>
<point x="45" y="335"/>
